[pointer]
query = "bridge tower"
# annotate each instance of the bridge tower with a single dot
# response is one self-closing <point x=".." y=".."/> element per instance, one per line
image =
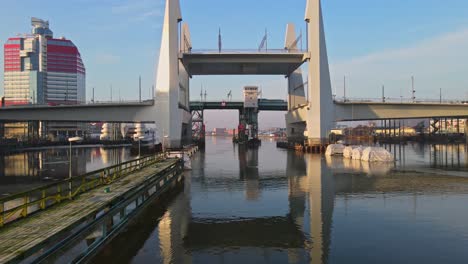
<point x="172" y="112"/>
<point x="311" y="114"/>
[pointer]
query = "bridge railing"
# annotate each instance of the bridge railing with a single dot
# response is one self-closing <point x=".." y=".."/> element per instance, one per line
<point x="246" y="51"/>
<point x="22" y="204"/>
<point x="393" y="100"/>
<point x="88" y="103"/>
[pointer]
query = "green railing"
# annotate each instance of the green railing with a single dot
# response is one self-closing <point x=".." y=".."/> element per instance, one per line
<point x="22" y="204"/>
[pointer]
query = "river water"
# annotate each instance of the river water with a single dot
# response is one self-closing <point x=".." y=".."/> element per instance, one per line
<point x="277" y="206"/>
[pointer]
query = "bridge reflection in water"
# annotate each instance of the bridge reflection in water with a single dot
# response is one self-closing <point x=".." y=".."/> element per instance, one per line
<point x="279" y="206"/>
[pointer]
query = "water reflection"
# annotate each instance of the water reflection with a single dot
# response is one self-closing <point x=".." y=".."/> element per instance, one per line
<point x="275" y="206"/>
<point x="444" y="156"/>
<point x="20" y="171"/>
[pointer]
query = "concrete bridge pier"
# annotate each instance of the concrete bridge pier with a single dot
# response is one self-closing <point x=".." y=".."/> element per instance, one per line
<point x="171" y="111"/>
<point x="318" y="111"/>
<point x="296" y="92"/>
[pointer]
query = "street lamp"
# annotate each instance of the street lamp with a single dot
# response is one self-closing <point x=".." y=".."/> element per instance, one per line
<point x="139" y="144"/>
<point x="164" y="143"/>
<point x="71" y="140"/>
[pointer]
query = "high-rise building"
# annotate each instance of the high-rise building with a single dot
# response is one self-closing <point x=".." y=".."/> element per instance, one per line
<point x="40" y="69"/>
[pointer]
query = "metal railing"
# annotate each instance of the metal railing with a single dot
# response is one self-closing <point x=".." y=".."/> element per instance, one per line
<point x="22" y="204"/>
<point x="246" y="51"/>
<point x="113" y="218"/>
<point x="394" y="100"/>
<point x="146" y="102"/>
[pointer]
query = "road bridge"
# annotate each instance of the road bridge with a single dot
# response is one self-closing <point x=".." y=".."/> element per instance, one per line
<point x="312" y="111"/>
<point x="263" y="105"/>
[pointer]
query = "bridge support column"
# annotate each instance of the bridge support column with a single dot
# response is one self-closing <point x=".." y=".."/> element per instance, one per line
<point x="320" y="114"/>
<point x="171" y="111"/>
<point x="296" y="92"/>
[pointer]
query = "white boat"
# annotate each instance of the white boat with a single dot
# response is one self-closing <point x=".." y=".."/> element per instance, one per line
<point x="106" y="132"/>
<point x="146" y="138"/>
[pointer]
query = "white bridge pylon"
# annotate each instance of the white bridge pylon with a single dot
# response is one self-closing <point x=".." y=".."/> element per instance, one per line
<point x="311" y="110"/>
<point x="177" y="64"/>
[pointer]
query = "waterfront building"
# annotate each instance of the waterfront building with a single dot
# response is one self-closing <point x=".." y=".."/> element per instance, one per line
<point x="41" y="69"/>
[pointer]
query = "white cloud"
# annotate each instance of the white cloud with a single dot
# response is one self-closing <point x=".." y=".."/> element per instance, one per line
<point x="439" y="62"/>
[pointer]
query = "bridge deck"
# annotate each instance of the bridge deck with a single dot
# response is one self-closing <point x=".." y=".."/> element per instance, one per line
<point x="263" y="105"/>
<point x="243" y="63"/>
<point x="26" y="237"/>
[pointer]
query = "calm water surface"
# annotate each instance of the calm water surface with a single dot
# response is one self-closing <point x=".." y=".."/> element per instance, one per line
<point x="22" y="171"/>
<point x="276" y="206"/>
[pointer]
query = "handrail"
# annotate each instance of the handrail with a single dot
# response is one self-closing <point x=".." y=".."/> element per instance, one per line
<point x="245" y="51"/>
<point x="132" y="195"/>
<point x="394" y="100"/>
<point x="22" y="204"/>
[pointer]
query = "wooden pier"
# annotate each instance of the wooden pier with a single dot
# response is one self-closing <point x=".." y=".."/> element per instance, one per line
<point x="72" y="230"/>
<point x="302" y="147"/>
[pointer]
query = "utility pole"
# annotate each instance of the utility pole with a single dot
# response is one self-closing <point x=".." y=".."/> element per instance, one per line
<point x="413" y="92"/>
<point x="219" y="41"/>
<point x="344" y="88"/>
<point x="139" y="89"/>
<point x="93" y="96"/>
<point x="383" y="93"/>
<point x="440" y="94"/>
<point x="205" y="95"/>
<point x="301" y="39"/>
<point x="111" y="92"/>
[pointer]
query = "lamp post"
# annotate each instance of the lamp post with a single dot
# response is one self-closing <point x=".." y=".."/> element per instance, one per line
<point x="139" y="145"/>
<point x="71" y="140"/>
<point x="164" y="144"/>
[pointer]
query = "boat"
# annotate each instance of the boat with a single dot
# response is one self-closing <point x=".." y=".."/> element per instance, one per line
<point x="146" y="138"/>
<point x="106" y="132"/>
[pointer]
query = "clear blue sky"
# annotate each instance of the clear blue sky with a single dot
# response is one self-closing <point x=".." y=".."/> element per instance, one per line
<point x="372" y="42"/>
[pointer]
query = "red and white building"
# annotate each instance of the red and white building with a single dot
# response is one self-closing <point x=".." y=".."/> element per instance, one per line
<point x="40" y="69"/>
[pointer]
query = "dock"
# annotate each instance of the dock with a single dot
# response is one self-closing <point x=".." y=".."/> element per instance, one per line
<point x="318" y="148"/>
<point x="72" y="230"/>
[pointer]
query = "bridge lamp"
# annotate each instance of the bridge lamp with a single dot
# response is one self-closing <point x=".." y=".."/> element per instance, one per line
<point x="71" y="140"/>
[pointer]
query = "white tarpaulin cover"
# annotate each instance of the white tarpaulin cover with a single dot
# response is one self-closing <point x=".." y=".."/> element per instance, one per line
<point x="357" y="153"/>
<point x="334" y="149"/>
<point x="348" y="152"/>
<point x="376" y="154"/>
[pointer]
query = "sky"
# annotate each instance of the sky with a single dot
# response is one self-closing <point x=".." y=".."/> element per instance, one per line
<point x="371" y="42"/>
